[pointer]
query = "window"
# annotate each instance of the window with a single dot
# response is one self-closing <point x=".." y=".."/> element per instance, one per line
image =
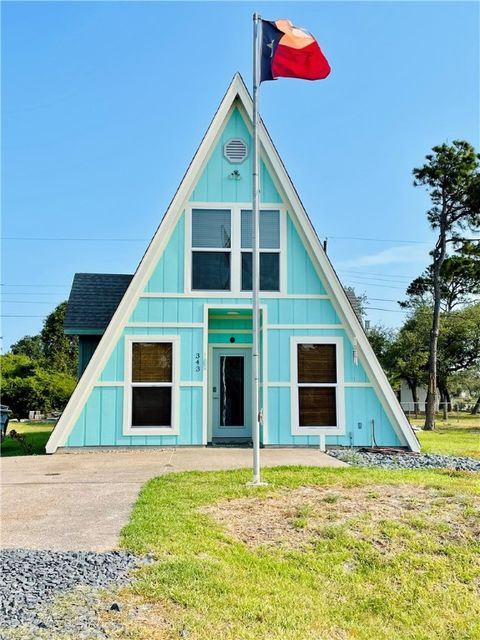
<point x="211" y="249"/>
<point x="317" y="397"/>
<point x="220" y="249"/>
<point x="269" y="254"/>
<point x="150" y="385"/>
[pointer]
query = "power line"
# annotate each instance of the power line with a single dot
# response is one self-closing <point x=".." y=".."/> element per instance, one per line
<point x="33" y="293"/>
<point x="360" y="274"/>
<point x="327" y="237"/>
<point x="70" y="239"/>
<point x="20" y="316"/>
<point x="375" y="284"/>
<point x="33" y="284"/>
<point x="27" y="302"/>
<point x="380" y="309"/>
<point x="52" y="239"/>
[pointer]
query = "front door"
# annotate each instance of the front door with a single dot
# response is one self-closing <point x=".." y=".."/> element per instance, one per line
<point x="231" y="394"/>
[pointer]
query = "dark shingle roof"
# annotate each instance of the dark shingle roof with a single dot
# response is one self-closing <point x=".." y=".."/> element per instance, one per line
<point x="93" y="300"/>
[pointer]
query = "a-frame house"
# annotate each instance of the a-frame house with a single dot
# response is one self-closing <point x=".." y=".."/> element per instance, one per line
<point x="169" y="349"/>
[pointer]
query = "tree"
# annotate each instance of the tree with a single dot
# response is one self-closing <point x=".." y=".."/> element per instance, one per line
<point x="409" y="352"/>
<point x="459" y="283"/>
<point x="458" y="348"/>
<point x="30" y="346"/>
<point x="60" y="351"/>
<point x="452" y="177"/>
<point x="358" y="302"/>
<point x="27" y="386"/>
<point x="381" y="339"/>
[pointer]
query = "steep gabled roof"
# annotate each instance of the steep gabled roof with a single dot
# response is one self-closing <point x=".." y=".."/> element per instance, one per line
<point x="93" y="300"/>
<point x="236" y="92"/>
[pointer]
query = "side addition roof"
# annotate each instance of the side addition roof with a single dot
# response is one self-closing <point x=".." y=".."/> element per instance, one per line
<point x="93" y="300"/>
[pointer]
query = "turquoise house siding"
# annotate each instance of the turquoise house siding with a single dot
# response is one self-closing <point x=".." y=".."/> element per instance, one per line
<point x="302" y="277"/>
<point x="100" y="422"/>
<point x="215" y="185"/>
<point x="361" y="407"/>
<point x="169" y="279"/>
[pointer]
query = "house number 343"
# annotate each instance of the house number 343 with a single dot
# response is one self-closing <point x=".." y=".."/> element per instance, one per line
<point x="196" y="362"/>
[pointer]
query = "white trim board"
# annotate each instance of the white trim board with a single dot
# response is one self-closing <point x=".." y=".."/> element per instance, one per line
<point x="174" y="429"/>
<point x="333" y="430"/>
<point x="236" y="95"/>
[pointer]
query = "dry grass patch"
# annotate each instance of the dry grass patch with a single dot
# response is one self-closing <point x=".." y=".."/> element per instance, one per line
<point x="380" y="514"/>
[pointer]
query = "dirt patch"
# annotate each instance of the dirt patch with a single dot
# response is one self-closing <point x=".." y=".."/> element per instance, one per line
<point x="381" y="514"/>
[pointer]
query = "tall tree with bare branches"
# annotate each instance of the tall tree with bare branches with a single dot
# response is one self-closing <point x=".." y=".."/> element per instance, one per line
<point x="451" y="174"/>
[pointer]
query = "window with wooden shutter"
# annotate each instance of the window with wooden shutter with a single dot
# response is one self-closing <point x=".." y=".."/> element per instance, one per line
<point x="152" y="384"/>
<point x="317" y="380"/>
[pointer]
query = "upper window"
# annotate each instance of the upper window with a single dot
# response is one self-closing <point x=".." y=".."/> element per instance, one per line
<point x="317" y="385"/>
<point x="269" y="254"/>
<point x="221" y="249"/>
<point x="211" y="249"/>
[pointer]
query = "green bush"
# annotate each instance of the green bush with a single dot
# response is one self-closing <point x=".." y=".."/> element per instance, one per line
<point x="27" y="386"/>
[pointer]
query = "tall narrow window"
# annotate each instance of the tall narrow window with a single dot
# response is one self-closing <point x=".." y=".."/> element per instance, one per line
<point x="211" y="249"/>
<point x="152" y="384"/>
<point x="317" y="385"/>
<point x="269" y="254"/>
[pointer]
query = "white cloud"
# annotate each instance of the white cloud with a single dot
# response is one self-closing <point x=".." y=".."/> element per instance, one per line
<point x="394" y="255"/>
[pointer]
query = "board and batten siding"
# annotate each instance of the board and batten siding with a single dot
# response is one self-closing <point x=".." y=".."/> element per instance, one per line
<point x="101" y="420"/>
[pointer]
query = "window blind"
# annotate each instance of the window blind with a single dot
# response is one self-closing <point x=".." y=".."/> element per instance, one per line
<point x="211" y="228"/>
<point x="152" y="362"/>
<point x="269" y="229"/>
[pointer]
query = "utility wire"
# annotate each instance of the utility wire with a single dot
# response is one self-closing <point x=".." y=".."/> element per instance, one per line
<point x="33" y="284"/>
<point x="325" y="237"/>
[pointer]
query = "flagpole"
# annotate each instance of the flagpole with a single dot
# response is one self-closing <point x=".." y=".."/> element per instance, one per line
<point x="256" y="410"/>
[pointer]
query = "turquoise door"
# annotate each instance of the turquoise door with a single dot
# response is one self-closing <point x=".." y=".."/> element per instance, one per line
<point x="231" y="394"/>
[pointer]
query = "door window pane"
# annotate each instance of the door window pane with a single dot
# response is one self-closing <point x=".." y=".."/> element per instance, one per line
<point x="317" y="406"/>
<point x="269" y="229"/>
<point x="269" y="271"/>
<point x="317" y="363"/>
<point x="211" y="228"/>
<point x="210" y="270"/>
<point x="152" y="362"/>
<point x="231" y="391"/>
<point x="151" y="406"/>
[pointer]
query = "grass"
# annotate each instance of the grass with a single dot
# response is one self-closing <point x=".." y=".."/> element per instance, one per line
<point x="409" y="575"/>
<point x="458" y="436"/>
<point x="36" y="435"/>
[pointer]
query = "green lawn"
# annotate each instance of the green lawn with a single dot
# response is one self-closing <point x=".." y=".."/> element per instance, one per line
<point x="459" y="436"/>
<point x="36" y="435"/>
<point x="330" y="554"/>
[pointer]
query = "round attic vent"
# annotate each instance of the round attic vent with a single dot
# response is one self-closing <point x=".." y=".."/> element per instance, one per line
<point x="235" y="150"/>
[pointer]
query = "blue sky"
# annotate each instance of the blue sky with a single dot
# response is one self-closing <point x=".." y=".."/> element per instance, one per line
<point x="104" y="104"/>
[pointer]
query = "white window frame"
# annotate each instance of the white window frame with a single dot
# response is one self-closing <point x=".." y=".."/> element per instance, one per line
<point x="211" y="249"/>
<point x="172" y="430"/>
<point x="337" y="429"/>
<point x="250" y="250"/>
<point x="235" y="250"/>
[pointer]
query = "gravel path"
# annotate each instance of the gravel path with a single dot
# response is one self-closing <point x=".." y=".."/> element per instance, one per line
<point x="31" y="580"/>
<point x="405" y="460"/>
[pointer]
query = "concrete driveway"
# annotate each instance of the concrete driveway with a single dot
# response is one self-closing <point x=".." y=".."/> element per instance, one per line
<point x="80" y="501"/>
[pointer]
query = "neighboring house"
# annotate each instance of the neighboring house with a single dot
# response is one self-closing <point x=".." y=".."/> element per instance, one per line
<point x="407" y="403"/>
<point x="165" y="355"/>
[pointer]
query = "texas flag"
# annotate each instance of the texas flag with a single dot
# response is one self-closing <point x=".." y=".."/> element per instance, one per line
<point x="290" y="52"/>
